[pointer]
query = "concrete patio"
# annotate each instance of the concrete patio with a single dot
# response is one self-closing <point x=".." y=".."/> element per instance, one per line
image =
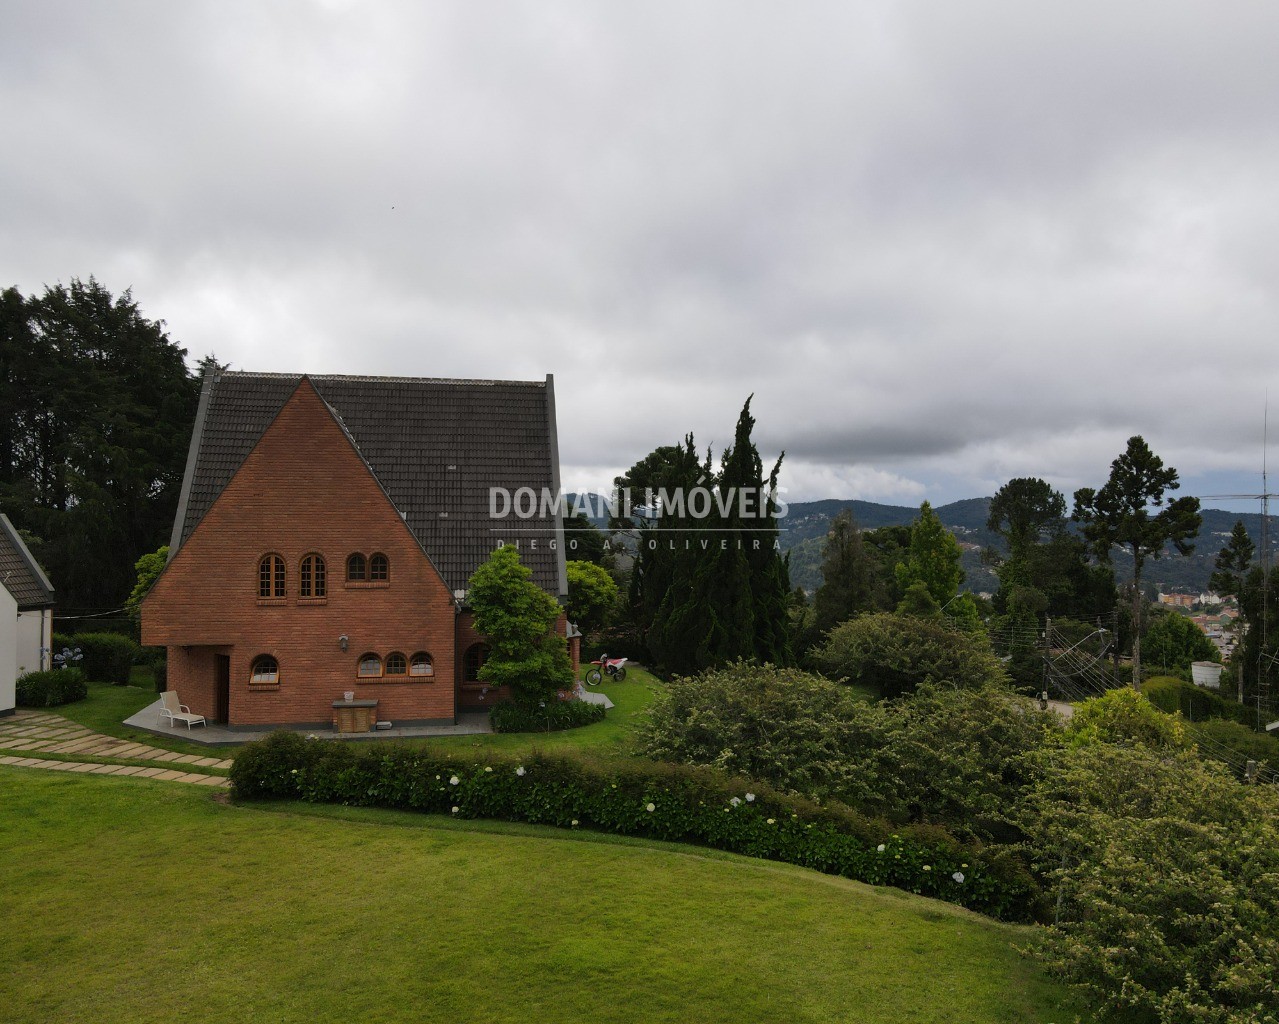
<point x="214" y="734"/>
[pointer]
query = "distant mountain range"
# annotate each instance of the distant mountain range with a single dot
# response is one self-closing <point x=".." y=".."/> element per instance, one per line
<point x="804" y="529"/>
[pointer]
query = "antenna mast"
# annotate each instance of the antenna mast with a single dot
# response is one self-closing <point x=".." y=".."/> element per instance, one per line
<point x="1263" y="682"/>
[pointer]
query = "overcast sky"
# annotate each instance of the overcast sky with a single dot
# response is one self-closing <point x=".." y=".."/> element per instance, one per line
<point x="944" y="244"/>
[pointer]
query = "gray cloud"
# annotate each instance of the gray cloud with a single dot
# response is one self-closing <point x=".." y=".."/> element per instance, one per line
<point x="943" y="244"/>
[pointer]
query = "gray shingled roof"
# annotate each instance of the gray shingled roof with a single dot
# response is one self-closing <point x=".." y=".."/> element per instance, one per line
<point x="20" y="573"/>
<point x="435" y="446"/>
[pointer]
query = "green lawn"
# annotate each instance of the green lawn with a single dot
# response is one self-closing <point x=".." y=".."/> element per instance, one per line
<point x="128" y="900"/>
<point x="106" y="707"/>
<point x="614" y="735"/>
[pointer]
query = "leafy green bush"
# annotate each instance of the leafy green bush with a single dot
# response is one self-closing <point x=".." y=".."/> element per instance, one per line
<point x="1164" y="871"/>
<point x="1124" y="716"/>
<point x="50" y="688"/>
<point x="960" y="757"/>
<point x="108" y="657"/>
<point x="939" y="755"/>
<point x="782" y="726"/>
<point x="1235" y="744"/>
<point x="897" y="653"/>
<point x="1194" y="702"/>
<point x="644" y="798"/>
<point x="550" y="715"/>
<point x="269" y="770"/>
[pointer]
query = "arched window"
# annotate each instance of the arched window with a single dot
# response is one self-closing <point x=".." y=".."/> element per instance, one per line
<point x="311" y="577"/>
<point x="396" y="664"/>
<point x="473" y="661"/>
<point x="357" y="568"/>
<point x="265" y="670"/>
<point x="271" y="576"/>
<point x="379" y="568"/>
<point x="420" y="665"/>
<point x="370" y="666"/>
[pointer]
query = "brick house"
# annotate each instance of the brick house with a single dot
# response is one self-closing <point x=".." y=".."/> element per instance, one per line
<point x="325" y="534"/>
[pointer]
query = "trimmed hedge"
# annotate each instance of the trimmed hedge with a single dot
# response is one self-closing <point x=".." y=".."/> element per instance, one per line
<point x="108" y="657"/>
<point x="1194" y="702"/>
<point x="553" y="716"/>
<point x="642" y="798"/>
<point x="51" y="688"/>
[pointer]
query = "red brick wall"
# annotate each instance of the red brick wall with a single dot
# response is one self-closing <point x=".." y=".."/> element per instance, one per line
<point x="302" y="490"/>
<point x="192" y="673"/>
<point x="473" y="696"/>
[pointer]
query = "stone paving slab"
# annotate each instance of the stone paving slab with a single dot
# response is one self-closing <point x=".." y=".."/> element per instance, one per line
<point x="32" y="732"/>
<point x="164" y="775"/>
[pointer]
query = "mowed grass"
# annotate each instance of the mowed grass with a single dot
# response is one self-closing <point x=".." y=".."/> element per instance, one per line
<point x="128" y="900"/>
<point x="614" y="735"/>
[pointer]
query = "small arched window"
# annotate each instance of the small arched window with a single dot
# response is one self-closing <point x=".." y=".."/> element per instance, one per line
<point x="396" y="664"/>
<point x="420" y="665"/>
<point x="311" y="577"/>
<point x="473" y="661"/>
<point x="265" y="670"/>
<point x="379" y="568"/>
<point x="370" y="666"/>
<point x="271" y="576"/>
<point x="357" y="568"/>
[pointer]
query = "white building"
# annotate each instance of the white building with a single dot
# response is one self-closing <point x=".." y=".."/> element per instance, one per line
<point x="26" y="614"/>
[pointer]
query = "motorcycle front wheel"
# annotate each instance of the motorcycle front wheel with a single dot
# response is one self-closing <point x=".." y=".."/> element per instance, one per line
<point x="593" y="677"/>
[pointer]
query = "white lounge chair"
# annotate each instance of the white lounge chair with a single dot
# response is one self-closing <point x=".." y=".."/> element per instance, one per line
<point x="175" y="712"/>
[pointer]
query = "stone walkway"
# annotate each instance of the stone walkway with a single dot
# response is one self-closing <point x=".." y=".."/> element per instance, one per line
<point x="164" y="774"/>
<point x="29" y="732"/>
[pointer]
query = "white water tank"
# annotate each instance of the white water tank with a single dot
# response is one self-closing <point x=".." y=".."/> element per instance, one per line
<point x="1206" y="674"/>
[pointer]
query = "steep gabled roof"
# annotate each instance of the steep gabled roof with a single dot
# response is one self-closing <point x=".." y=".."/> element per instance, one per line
<point x="436" y="447"/>
<point x="20" y="573"/>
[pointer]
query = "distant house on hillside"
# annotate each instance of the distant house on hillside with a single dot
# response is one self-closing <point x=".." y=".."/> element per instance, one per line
<point x="326" y="531"/>
<point x="26" y="613"/>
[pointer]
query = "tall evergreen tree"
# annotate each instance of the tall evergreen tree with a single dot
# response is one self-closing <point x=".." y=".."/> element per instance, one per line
<point x="932" y="558"/>
<point x="712" y="588"/>
<point x="846" y="575"/>
<point x="1119" y="515"/>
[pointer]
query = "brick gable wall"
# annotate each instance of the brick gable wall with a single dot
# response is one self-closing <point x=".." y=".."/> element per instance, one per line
<point x="302" y="490"/>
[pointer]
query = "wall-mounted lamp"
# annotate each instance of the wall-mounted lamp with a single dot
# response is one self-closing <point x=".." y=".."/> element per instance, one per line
<point x="344" y="641"/>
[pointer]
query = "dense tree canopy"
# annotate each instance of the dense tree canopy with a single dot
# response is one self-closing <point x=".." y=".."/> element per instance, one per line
<point x="98" y="405"/>
<point x="1023" y="511"/>
<point x="1173" y="642"/>
<point x="709" y="584"/>
<point x="592" y="595"/>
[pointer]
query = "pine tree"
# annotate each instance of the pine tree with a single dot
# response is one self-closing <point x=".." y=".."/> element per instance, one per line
<point x="1119" y="515"/>
<point x="846" y="575"/>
